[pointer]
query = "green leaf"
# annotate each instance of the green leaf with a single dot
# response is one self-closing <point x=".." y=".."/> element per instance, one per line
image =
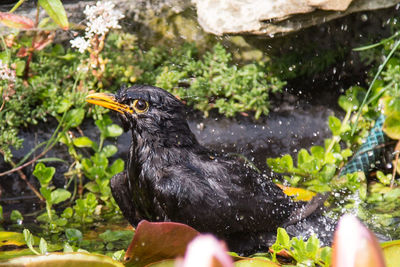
<point x="82" y="141"/>
<point x="391" y="252"/>
<point x="119" y="255"/>
<point x="117" y="167"/>
<point x="287" y="162"/>
<point x="114" y="130"/>
<point x="61" y="222"/>
<point x="11" y="239"/>
<point x="328" y="171"/>
<point x="67" y="248"/>
<point x="30" y="241"/>
<point x="103" y="123"/>
<point x="111" y="236"/>
<point x="1" y="213"/>
<point x="73" y="259"/>
<point x="346" y="153"/>
<point x="283" y="164"/>
<point x="326" y="255"/>
<point x="67" y="213"/>
<point x="392" y="195"/>
<point x="74" y="117"/>
<point x="384" y="179"/>
<point x="92" y="187"/>
<point x="312" y="246"/>
<point x="109" y="150"/>
<point x="283" y="238"/>
<point x="46" y="193"/>
<point x="43" y="246"/>
<point x="20" y="67"/>
<point x="58" y="49"/>
<point x="44" y="174"/>
<point x="334" y="125"/>
<point x="16" y="216"/>
<point x="391" y="105"/>
<point x="318" y="152"/>
<point x="56" y="11"/>
<point x="73" y="235"/>
<point x="391" y="126"/>
<point x="256" y="262"/>
<point x="64" y="105"/>
<point x="28" y="237"/>
<point x="303" y="157"/>
<point x="60" y="195"/>
<point x="351" y="101"/>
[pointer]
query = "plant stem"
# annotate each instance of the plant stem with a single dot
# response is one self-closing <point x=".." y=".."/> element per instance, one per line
<point x="48" y="209"/>
<point x="32" y="48"/>
<point x="23" y="177"/>
<point x="397" y="151"/>
<point x="380" y="69"/>
<point x="336" y="138"/>
<point x="49" y="145"/>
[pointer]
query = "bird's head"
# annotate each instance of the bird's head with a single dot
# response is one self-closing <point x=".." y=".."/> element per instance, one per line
<point x="150" y="112"/>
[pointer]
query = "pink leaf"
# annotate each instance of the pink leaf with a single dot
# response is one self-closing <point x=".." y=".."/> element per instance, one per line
<point x="16" y="21"/>
<point x="156" y="241"/>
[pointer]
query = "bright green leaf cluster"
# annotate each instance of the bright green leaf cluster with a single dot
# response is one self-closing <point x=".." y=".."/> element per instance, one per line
<point x="305" y="253"/>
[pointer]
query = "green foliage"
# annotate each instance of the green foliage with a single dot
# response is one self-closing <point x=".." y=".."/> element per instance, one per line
<point x="74" y="236"/>
<point x="44" y="174"/>
<point x="315" y="170"/>
<point x="391" y="109"/>
<point x="305" y="253"/>
<point x="16" y="216"/>
<point x="110" y="238"/>
<point x="30" y="242"/>
<point x="210" y="81"/>
<point x="52" y="195"/>
<point x="56" y="11"/>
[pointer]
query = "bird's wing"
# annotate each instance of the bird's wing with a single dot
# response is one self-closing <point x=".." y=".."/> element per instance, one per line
<point x="219" y="196"/>
<point x="122" y="194"/>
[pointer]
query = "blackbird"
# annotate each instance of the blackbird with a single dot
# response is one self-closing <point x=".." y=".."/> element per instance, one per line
<point x="171" y="177"/>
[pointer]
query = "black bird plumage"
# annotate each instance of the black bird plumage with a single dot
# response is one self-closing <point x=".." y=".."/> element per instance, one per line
<point x="171" y="177"/>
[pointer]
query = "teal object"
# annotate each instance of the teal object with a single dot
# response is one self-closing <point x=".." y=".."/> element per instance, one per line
<point x="369" y="152"/>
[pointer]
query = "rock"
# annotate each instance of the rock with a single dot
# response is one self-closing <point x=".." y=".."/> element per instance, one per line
<point x="270" y="17"/>
<point x="336" y="5"/>
<point x="175" y="20"/>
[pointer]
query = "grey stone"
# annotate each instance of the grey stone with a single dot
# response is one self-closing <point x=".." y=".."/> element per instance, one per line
<point x="270" y="17"/>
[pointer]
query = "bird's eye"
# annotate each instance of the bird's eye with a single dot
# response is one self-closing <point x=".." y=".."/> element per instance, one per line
<point x="140" y="105"/>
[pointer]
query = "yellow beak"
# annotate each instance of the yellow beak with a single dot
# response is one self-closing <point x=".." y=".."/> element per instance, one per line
<point x="107" y="101"/>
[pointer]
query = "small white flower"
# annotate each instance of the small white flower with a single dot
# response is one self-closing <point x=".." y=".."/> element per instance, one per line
<point x="81" y="43"/>
<point x="83" y="68"/>
<point x="6" y="73"/>
<point x="102" y="17"/>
